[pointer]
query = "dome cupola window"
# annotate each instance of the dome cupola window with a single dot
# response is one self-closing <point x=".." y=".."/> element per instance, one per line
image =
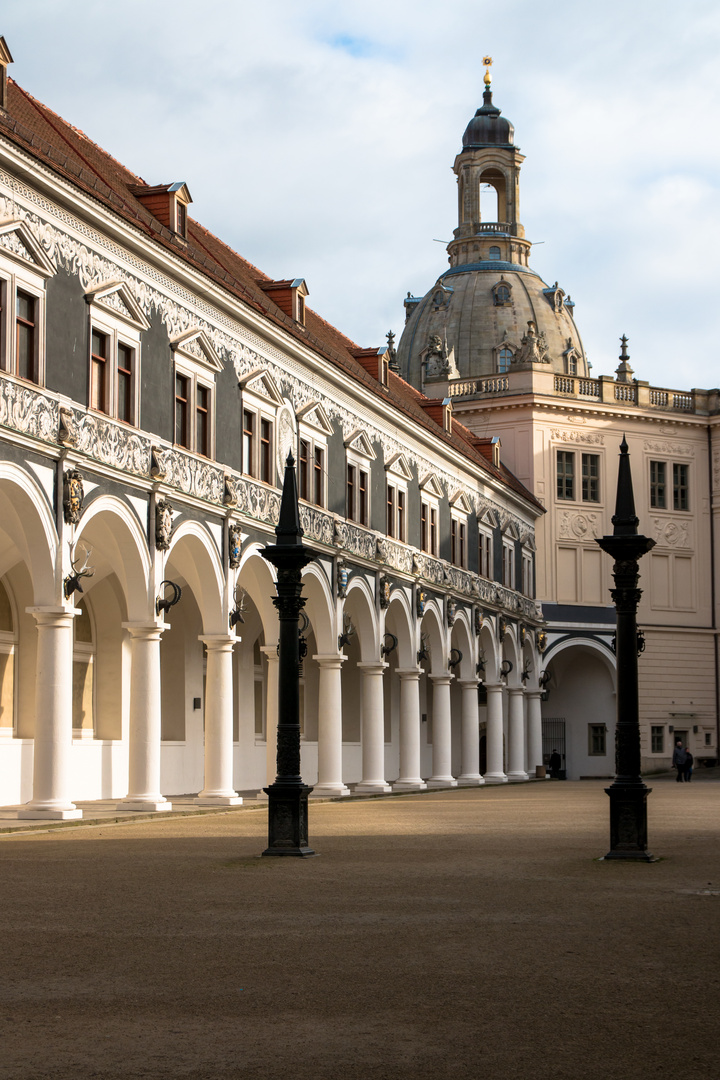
<point x="494" y="253"/>
<point x="504" y="359"/>
<point x="501" y="293"/>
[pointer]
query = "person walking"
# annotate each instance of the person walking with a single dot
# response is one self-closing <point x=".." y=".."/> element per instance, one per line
<point x="688" y="766"/>
<point x="678" y="760"/>
<point x="555" y="763"/>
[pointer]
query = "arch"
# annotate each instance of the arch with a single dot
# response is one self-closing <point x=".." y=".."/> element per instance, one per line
<point x="257" y="576"/>
<point x="511" y="652"/>
<point x="194" y="556"/>
<point x="462" y="638"/>
<point x="320" y="608"/>
<point x="489" y="650"/>
<point x="29" y="526"/>
<point x="399" y="621"/>
<point x="587" y="643"/>
<point x="120" y="547"/>
<point x="360" y="605"/>
<point x="433" y="625"/>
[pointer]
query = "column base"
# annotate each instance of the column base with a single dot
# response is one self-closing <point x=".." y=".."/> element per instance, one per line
<point x="32" y="813"/>
<point x="372" y="787"/>
<point x="442" y="781"/>
<point x="330" y="791"/>
<point x="145" y="806"/>
<point x="218" y="800"/>
<point x="517" y="777"/>
<point x="409" y="785"/>
<point x="470" y="781"/>
<point x="495" y="778"/>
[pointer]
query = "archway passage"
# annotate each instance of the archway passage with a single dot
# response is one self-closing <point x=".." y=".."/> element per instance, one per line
<point x="580" y="712"/>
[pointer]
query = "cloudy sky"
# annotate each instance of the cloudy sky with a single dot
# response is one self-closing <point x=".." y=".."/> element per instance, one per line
<point x="317" y="139"/>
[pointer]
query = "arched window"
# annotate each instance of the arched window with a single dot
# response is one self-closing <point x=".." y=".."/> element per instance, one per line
<point x="504" y="359"/>
<point x="501" y="293"/>
<point x="488" y="203"/>
<point x="571" y="363"/>
<point x="494" y="253"/>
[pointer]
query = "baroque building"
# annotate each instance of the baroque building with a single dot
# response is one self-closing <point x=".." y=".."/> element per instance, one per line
<point x="152" y="385"/>
<point x="494" y="339"/>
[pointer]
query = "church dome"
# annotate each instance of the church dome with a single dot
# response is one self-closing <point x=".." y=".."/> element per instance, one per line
<point x="481" y="318"/>
<point x="488" y="127"/>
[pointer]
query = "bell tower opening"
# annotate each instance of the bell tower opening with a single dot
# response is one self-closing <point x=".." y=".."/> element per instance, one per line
<point x="489" y="201"/>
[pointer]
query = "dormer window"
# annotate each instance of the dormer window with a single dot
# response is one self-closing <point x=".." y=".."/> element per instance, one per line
<point x="504" y="360"/>
<point x="5" y="59"/>
<point x="375" y="361"/>
<point x="289" y="295"/>
<point x="167" y="202"/>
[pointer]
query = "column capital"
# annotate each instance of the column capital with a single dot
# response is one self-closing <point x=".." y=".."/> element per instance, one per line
<point x="218" y="642"/>
<point x="372" y="667"/>
<point x="409" y="674"/>
<point x="146" y="631"/>
<point x="469" y="684"/>
<point x="330" y="660"/>
<point x="515" y="690"/>
<point x="52" y="616"/>
<point x="494" y="688"/>
<point x="533" y="693"/>
<point x="442" y="680"/>
<point x="270" y="652"/>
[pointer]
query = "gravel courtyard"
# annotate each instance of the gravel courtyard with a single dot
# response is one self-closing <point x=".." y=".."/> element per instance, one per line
<point x="469" y="933"/>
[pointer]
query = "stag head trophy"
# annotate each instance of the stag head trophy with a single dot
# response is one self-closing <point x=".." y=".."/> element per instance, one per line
<point x="71" y="583"/>
<point x="348" y="632"/>
<point x="237" y="615"/>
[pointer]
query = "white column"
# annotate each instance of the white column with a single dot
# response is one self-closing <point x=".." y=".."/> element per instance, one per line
<point x="373" y="730"/>
<point x="53" y="717"/>
<point x="534" y="729"/>
<point x="330" y="781"/>
<point x="218" y="789"/>
<point x="494" y="734"/>
<point x="410" y="778"/>
<point x="470" y="736"/>
<point x="516" y="735"/>
<point x="271" y="714"/>
<point x="145" y="721"/>
<point x="441" y="734"/>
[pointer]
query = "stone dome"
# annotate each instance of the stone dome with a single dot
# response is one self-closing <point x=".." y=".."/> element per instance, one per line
<point x="482" y="317"/>
<point x="488" y="127"/>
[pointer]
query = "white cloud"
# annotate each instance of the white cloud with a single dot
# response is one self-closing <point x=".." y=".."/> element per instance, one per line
<point x="318" y="140"/>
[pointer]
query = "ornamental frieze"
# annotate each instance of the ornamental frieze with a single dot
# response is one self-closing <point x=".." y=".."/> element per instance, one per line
<point x="179" y="310"/>
<point x="593" y="438"/>
<point x="672" y="449"/>
<point x="28" y="411"/>
<point x="104" y="441"/>
<point x="674" y="534"/>
<point x="578" y="526"/>
<point x="354" y="539"/>
<point x="255" y="500"/>
<point x="317" y="525"/>
<point x="396" y="555"/>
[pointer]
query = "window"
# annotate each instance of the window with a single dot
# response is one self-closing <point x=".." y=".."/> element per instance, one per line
<point x="494" y="253"/>
<point x="429" y="528"/>
<point x="248" y="442"/>
<point x="311" y="472"/>
<point x="181" y="217"/>
<point x="261" y="402"/>
<point x="657" y="485"/>
<point x="258" y="434"/>
<point x="501" y="293"/>
<point x="504" y="360"/>
<point x="116" y="324"/>
<point x="358" y="487"/>
<point x="266" y="432"/>
<point x="565" y="474"/>
<point x="657" y="740"/>
<point x="571" y="364"/>
<point x="458" y="542"/>
<point x="680" y="487"/>
<point x="708" y="738"/>
<point x="395" y="522"/>
<point x="24" y="267"/>
<point x="590" y="478"/>
<point x="508" y="564"/>
<point x="597" y="740"/>
<point x="527" y="574"/>
<point x="485" y="553"/>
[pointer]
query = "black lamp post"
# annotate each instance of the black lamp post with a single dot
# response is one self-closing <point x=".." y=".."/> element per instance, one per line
<point x="288" y="796"/>
<point x="628" y="794"/>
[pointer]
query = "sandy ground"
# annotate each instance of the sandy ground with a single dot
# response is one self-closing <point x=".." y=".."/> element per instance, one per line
<point x="468" y="933"/>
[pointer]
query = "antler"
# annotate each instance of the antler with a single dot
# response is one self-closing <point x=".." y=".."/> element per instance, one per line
<point x="71" y="583"/>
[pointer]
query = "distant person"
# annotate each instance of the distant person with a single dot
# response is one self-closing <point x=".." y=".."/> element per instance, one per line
<point x="555" y="763"/>
<point x="688" y="767"/>
<point x="679" y="759"/>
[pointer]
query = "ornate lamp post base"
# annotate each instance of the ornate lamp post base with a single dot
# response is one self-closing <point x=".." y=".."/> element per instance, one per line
<point x="628" y="822"/>
<point x="288" y="819"/>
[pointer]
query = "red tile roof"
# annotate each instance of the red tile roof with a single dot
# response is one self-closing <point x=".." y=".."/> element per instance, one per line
<point x="66" y="150"/>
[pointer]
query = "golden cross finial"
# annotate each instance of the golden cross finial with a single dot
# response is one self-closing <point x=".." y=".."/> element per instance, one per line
<point x="487" y="61"/>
